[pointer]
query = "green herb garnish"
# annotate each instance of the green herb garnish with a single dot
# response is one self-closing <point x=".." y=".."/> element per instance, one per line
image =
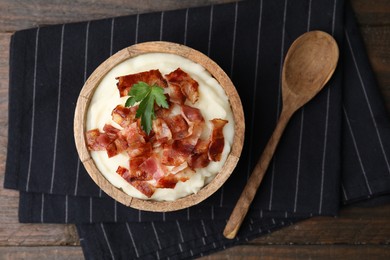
<point x="146" y="95"/>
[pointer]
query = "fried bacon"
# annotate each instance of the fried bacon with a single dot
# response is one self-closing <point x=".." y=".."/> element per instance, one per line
<point x="144" y="187"/>
<point x="188" y="86"/>
<point x="97" y="141"/>
<point x="135" y="137"/>
<point x="123" y="172"/>
<point x="175" y="139"/>
<point x="138" y="180"/>
<point x="92" y="136"/>
<point x="162" y="131"/>
<point x="179" y="151"/>
<point x="139" y="149"/>
<point x="134" y="134"/>
<point x="152" y="167"/>
<point x="152" y="77"/>
<point x="191" y="114"/>
<point x="217" y="141"/>
<point x="178" y="126"/>
<point x="121" y="143"/>
<point x="136" y="171"/>
<point x="111" y="150"/>
<point x="175" y="94"/>
<point x="179" y="168"/>
<point x="174" y="154"/>
<point x="111" y="131"/>
<point x="134" y="163"/>
<point x="168" y="181"/>
<point x="200" y="157"/>
<point x="124" y="116"/>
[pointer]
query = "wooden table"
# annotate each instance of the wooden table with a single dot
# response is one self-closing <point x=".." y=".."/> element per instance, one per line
<point x="359" y="233"/>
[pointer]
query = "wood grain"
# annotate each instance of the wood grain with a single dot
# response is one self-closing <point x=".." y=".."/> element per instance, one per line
<point x="374" y="23"/>
<point x="359" y="233"/>
<point x="372" y="14"/>
<point x="42" y="253"/>
<point x="286" y="252"/>
<point x="243" y="252"/>
<point x="4" y="56"/>
<point x="16" y="15"/>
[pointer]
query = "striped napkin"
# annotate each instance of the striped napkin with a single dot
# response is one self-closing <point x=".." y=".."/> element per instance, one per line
<point x="335" y="150"/>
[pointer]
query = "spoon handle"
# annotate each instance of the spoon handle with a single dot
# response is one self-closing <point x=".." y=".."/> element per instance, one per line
<point x="249" y="192"/>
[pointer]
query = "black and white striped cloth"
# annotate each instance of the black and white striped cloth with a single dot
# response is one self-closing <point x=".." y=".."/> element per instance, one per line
<point x="334" y="151"/>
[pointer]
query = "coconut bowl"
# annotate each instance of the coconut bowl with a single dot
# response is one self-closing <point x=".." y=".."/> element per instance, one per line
<point x="80" y="130"/>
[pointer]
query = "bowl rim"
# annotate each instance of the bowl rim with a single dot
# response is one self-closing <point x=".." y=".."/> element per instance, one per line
<point x="85" y="97"/>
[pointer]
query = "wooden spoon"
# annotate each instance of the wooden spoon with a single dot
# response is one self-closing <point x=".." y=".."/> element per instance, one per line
<point x="309" y="64"/>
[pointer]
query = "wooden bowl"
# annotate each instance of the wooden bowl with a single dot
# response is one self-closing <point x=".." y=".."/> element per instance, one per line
<point x="86" y="96"/>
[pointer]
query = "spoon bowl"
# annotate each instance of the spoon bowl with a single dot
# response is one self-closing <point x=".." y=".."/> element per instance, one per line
<point x="309" y="64"/>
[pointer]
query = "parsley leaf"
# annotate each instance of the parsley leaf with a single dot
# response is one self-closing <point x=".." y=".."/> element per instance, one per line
<point x="147" y="95"/>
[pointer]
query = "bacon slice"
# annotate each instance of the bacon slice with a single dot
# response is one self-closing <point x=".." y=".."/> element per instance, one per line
<point x="188" y="86"/>
<point x="163" y="181"/>
<point x="108" y="142"/>
<point x="135" y="137"/>
<point x="194" y="119"/>
<point x="124" y="116"/>
<point x="111" y="131"/>
<point x="103" y="140"/>
<point x="178" y="151"/>
<point x="178" y="126"/>
<point x="134" y="163"/>
<point x="161" y="130"/>
<point x="172" y="156"/>
<point x="152" y="167"/>
<point x="200" y="157"/>
<point x="123" y="172"/>
<point x="139" y="149"/>
<point x="191" y="114"/>
<point x="136" y="173"/>
<point x="133" y="134"/>
<point x="179" y="168"/>
<point x="121" y="143"/>
<point x="136" y="181"/>
<point x="151" y="77"/>
<point x="92" y="136"/>
<point x="176" y="122"/>
<point x="169" y="181"/>
<point x="111" y="150"/>
<point x="144" y="187"/>
<point x="97" y="141"/>
<point x="217" y="139"/>
<point x="175" y="93"/>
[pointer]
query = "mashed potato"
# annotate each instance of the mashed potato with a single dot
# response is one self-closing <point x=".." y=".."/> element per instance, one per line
<point x="213" y="103"/>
